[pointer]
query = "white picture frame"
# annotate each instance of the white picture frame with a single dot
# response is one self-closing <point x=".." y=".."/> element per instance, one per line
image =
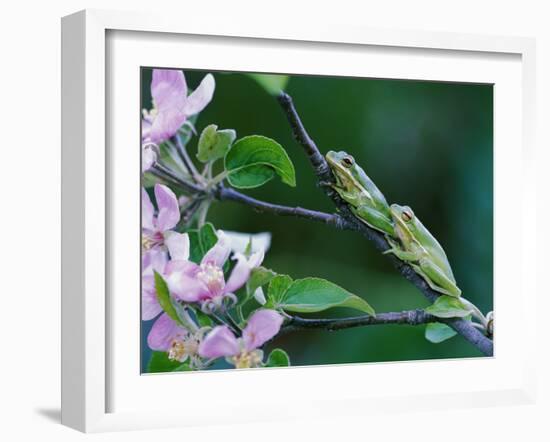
<point x="86" y="170"/>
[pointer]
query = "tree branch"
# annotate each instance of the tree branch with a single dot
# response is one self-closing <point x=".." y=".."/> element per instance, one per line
<point x="322" y="170"/>
<point x="227" y="194"/>
<point x="408" y="317"/>
<point x="222" y="193"/>
<point x="324" y="175"/>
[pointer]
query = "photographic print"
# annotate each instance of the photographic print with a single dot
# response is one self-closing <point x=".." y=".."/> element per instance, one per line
<point x="300" y="220"/>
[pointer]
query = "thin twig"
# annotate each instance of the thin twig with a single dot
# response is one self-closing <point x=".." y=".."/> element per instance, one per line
<point x="322" y="170"/>
<point x="228" y="194"/>
<point x="222" y="193"/>
<point x="324" y="175"/>
<point x="165" y="178"/>
<point x="166" y="173"/>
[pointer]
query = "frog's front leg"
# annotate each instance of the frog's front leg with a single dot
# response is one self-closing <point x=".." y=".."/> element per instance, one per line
<point x="397" y="250"/>
<point x="375" y="219"/>
<point x="436" y="278"/>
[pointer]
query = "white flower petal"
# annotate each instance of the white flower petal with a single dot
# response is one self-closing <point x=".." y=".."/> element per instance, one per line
<point x="239" y="241"/>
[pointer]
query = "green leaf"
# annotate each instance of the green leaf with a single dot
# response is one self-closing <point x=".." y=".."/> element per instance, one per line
<point x="310" y="295"/>
<point x="163" y="296"/>
<point x="159" y="363"/>
<point x="195" y="247"/>
<point x="273" y="84"/>
<point x="448" y="307"/>
<point x="183" y="367"/>
<point x="278" y="358"/>
<point x="252" y="176"/>
<point x="203" y="319"/>
<point x="214" y="143"/>
<point x="277" y="289"/>
<point x="148" y="180"/>
<point x="208" y="236"/>
<point x="259" y="276"/>
<point x="437" y="332"/>
<point x="254" y="160"/>
<point x="201" y="241"/>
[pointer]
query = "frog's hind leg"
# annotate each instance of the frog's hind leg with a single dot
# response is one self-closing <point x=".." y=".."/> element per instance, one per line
<point x="436" y="279"/>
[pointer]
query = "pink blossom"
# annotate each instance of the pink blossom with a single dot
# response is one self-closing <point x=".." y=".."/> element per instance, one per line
<point x="261" y="327"/>
<point x="205" y="282"/>
<point x="244" y="352"/>
<point x="172" y="106"/>
<point x="152" y="261"/>
<point x="155" y="232"/>
<point x="180" y="344"/>
<point x="155" y="229"/>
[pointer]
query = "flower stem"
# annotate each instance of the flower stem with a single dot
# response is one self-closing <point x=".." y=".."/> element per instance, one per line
<point x="203" y="211"/>
<point x="187" y="159"/>
<point x="167" y="174"/>
<point x="176" y="157"/>
<point x="164" y="177"/>
<point x="207" y="171"/>
<point x="240" y="316"/>
<point x="221" y="321"/>
<point x="189" y="212"/>
<point x="232" y="321"/>
<point x="188" y="320"/>
<point x="217" y="179"/>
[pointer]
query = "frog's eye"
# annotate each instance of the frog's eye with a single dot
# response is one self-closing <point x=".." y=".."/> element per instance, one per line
<point x="407" y="215"/>
<point x="348" y="161"/>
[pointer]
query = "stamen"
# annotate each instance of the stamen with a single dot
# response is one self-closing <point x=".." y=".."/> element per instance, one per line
<point x="246" y="359"/>
<point x="150" y="240"/>
<point x="183" y="347"/>
<point x="212" y="276"/>
<point x="177" y="351"/>
<point x="149" y="115"/>
<point x="147" y="242"/>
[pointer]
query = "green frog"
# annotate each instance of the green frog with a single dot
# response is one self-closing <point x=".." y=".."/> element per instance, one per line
<point x="360" y="192"/>
<point x="422" y="251"/>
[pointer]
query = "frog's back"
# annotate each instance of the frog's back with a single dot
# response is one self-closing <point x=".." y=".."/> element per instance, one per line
<point x="377" y="196"/>
<point x="432" y="246"/>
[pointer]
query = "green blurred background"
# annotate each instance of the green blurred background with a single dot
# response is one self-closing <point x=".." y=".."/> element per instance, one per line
<point x="425" y="144"/>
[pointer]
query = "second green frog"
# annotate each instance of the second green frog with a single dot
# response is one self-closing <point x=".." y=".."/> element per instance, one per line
<point x="418" y="247"/>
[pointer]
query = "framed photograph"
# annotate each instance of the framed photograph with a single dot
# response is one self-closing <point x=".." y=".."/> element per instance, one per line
<point x="279" y="210"/>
